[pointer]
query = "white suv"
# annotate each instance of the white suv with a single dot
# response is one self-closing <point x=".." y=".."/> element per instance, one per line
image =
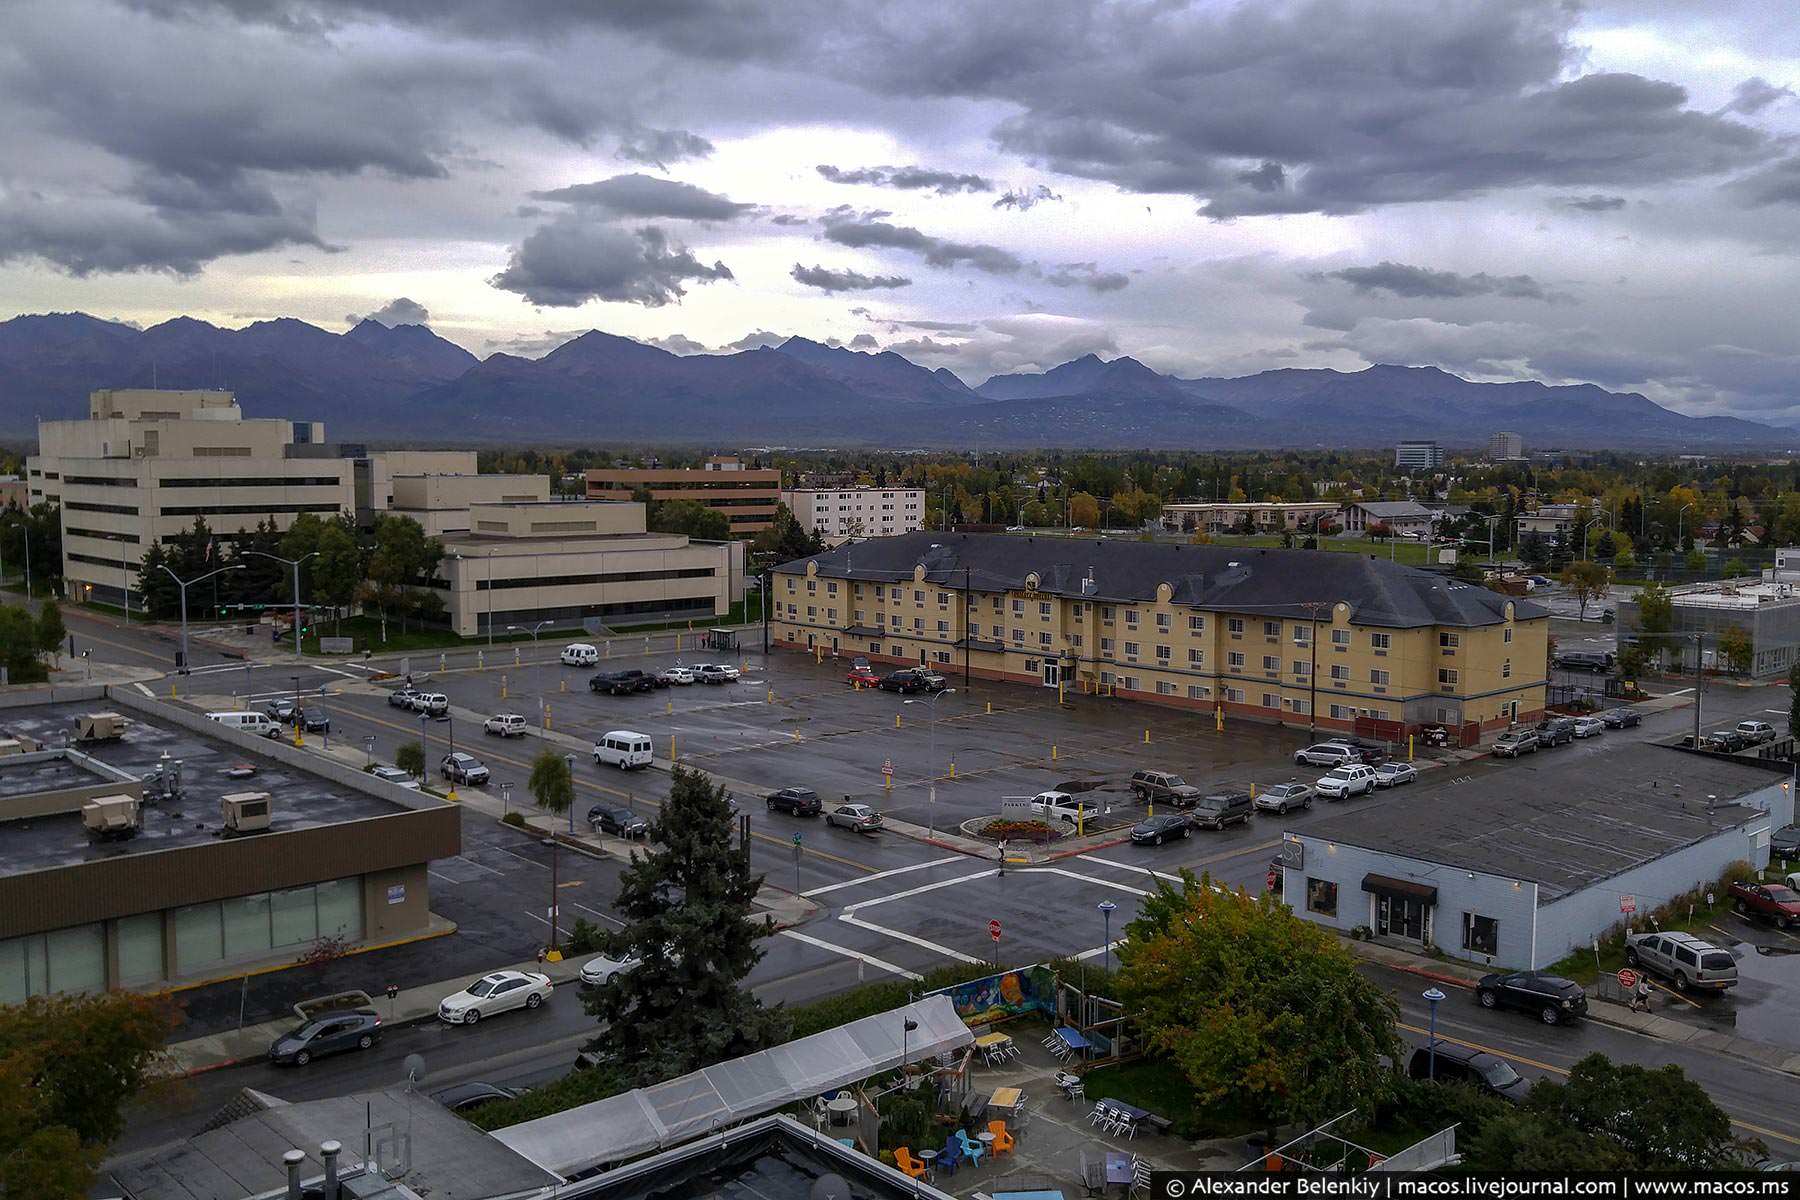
<point x="1351" y="779"/>
<point x="1327" y="754"/>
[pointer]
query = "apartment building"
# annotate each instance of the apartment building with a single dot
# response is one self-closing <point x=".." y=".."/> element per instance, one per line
<point x="746" y="495"/>
<point x="1276" y="635"/>
<point x="568" y="563"/>
<point x="840" y="513"/>
<point x="1503" y="447"/>
<point x="1272" y="517"/>
<point x="1418" y="456"/>
<point x="145" y="463"/>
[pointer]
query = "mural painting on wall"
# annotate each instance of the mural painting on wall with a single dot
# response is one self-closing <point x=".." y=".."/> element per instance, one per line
<point x="1010" y="994"/>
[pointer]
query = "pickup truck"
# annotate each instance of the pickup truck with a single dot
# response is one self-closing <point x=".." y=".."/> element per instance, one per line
<point x="931" y="680"/>
<point x="1777" y="902"/>
<point x="1064" y="808"/>
<point x="620" y="683"/>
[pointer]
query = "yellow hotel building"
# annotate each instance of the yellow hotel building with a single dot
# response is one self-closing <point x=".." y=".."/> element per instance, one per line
<point x="1374" y="646"/>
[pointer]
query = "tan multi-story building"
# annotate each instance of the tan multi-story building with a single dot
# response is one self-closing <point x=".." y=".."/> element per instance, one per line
<point x="1299" y="637"/>
<point x="569" y="563"/>
<point x="441" y="503"/>
<point x="146" y="463"/>
<point x="746" y="495"/>
<point x="1272" y="517"/>
<point x="840" y="513"/>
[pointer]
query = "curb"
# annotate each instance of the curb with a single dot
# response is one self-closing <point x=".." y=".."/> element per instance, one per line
<point x="1079" y="850"/>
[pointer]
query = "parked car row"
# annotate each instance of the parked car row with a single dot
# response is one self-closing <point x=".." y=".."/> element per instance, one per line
<point x="906" y="681"/>
<point x="632" y="680"/>
<point x="804" y="802"/>
<point x="309" y="719"/>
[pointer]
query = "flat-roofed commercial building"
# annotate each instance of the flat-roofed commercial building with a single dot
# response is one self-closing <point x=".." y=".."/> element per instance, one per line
<point x="1271" y="634"/>
<point x="1272" y="517"/>
<point x="582" y="561"/>
<point x="839" y="513"/>
<point x="441" y="503"/>
<point x="746" y="495"/>
<point x="343" y="855"/>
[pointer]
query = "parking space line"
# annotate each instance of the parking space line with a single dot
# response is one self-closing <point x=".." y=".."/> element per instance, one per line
<point x="484" y="866"/>
<point x="947" y="952"/>
<point x="832" y="887"/>
<point x="858" y="955"/>
<point x="140" y="687"/>
<point x="441" y="875"/>
<point x="603" y="916"/>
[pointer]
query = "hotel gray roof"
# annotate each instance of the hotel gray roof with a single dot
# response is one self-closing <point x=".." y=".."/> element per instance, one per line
<point x="1221" y="578"/>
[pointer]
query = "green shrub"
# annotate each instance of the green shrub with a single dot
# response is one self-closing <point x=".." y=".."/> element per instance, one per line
<point x="516" y="820"/>
<point x="572" y="1090"/>
<point x="872" y="998"/>
<point x="583" y="937"/>
<point x="1738" y="872"/>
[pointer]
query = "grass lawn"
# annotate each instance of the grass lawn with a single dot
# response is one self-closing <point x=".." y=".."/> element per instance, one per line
<point x="744" y="612"/>
<point x="1582" y="968"/>
<point x="1158" y="1085"/>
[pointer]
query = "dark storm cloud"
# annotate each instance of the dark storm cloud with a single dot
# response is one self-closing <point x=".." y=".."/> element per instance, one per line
<point x="939" y="252"/>
<point x="788" y="219"/>
<point x="1024" y="198"/>
<point x="642" y="196"/>
<point x="944" y="183"/>
<point x="1778" y="183"/>
<point x="864" y="341"/>
<point x="1597" y="202"/>
<point x="828" y="280"/>
<point x="660" y="147"/>
<point x="399" y="311"/>
<point x="84" y="236"/>
<point x="1085" y="274"/>
<point x="1422" y="283"/>
<point x="1755" y="94"/>
<point x="574" y="259"/>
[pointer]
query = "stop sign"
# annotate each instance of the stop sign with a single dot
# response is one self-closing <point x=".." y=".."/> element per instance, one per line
<point x="1627" y="978"/>
<point x="994" y="930"/>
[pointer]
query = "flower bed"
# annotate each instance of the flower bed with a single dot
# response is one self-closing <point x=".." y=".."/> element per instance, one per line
<point x="1020" y="831"/>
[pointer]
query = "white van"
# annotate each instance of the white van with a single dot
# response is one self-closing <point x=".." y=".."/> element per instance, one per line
<point x="580" y="654"/>
<point x="623" y="749"/>
<point x="248" y="722"/>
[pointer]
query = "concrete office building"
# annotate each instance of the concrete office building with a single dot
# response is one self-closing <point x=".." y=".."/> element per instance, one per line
<point x="1418" y="456"/>
<point x="1519" y="863"/>
<point x="1548" y="520"/>
<point x="746" y="495"/>
<point x="1767" y="610"/>
<point x="839" y="513"/>
<point x="1406" y="517"/>
<point x="1271" y="517"/>
<point x="344" y="854"/>
<point x="1504" y="447"/>
<point x="1269" y="634"/>
<point x="442" y="503"/>
<point x="574" y="562"/>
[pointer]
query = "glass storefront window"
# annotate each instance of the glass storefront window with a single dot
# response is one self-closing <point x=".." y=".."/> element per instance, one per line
<point x="77" y="957"/>
<point x="340" y="908"/>
<point x="199" y="937"/>
<point x="23" y="970"/>
<point x="140" y="948"/>
<point x="246" y="923"/>
<point x="294" y="917"/>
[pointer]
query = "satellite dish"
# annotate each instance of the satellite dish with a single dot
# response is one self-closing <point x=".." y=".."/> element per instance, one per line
<point x="415" y="1069"/>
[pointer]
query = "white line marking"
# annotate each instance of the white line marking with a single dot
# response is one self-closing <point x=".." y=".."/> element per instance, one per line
<point x="501" y="850"/>
<point x="848" y="953"/>
<point x="1117" y="887"/>
<point x="1777" y="711"/>
<point x="832" y="887"/>
<point x="535" y="917"/>
<point x="1125" y="866"/>
<point x="140" y="687"/>
<point x="481" y="866"/>
<point x="946" y="951"/>
<point x="1682" y="692"/>
<point x="603" y="916"/>
<point x="441" y="875"/>
<point x="919" y="891"/>
<point x="1097" y="951"/>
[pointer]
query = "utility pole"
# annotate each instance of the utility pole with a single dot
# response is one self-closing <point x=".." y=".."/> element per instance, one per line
<point x="294" y="563"/>
<point x="183" y="584"/>
<point x="1312" y="676"/>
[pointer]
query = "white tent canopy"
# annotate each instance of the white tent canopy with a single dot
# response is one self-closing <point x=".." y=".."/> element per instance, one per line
<point x="654" y="1118"/>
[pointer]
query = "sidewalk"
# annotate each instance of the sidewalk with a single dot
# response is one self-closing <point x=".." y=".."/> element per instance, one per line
<point x="1601" y="1012"/>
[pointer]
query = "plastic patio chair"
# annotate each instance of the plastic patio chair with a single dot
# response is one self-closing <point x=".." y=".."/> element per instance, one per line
<point x="951" y="1156"/>
<point x="972" y="1149"/>
<point x="906" y="1162"/>
<point x="1003" y="1141"/>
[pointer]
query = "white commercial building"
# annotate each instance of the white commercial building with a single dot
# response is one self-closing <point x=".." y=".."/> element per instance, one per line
<point x="1418" y="456"/>
<point x="840" y="513"/>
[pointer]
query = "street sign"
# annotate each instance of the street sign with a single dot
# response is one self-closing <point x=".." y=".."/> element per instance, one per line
<point x="796" y="841"/>
<point x="1627" y="904"/>
<point x="994" y="930"/>
<point x="887" y="768"/>
<point x="1627" y="978"/>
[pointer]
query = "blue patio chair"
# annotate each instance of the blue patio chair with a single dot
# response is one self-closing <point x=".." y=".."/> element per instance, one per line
<point x="951" y="1156"/>
<point x="972" y="1149"/>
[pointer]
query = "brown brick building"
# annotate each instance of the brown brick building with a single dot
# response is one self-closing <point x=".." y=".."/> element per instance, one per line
<point x="746" y="495"/>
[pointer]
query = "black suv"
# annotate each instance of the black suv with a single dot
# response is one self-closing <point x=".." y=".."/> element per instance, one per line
<point x="1555" y="731"/>
<point x="616" y="818"/>
<point x="1553" y="998"/>
<point x="355" y="1029"/>
<point x="905" y="682"/>
<point x="621" y="683"/>
<point x="801" y="802"/>
<point x="1223" y="808"/>
<point x="1459" y="1064"/>
<point x="314" y="720"/>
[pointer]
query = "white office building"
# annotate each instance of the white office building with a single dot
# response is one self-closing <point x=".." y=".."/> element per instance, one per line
<point x="842" y="513"/>
<point x="1418" y="456"/>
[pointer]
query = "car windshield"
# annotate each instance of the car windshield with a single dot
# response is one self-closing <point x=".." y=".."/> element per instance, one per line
<point x="1498" y="1072"/>
<point x="1340" y="773"/>
<point x="481" y="987"/>
<point x="1783" y="895"/>
<point x="1213" y="802"/>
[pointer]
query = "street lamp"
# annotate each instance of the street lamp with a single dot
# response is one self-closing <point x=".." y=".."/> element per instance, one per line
<point x="1432" y="997"/>
<point x="1312" y="608"/>
<point x="294" y="563"/>
<point x="532" y="630"/>
<point x="1584" y="536"/>
<point x="1678" y="517"/>
<point x="931" y="761"/>
<point x="570" y="759"/>
<point x="1106" y="908"/>
<point x="906" y="1027"/>
<point x="184" y="584"/>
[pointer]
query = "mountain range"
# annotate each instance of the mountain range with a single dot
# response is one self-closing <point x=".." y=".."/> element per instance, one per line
<point x="376" y="382"/>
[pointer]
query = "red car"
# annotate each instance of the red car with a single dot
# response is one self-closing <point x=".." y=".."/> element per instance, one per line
<point x="862" y="677"/>
<point x="1775" y="901"/>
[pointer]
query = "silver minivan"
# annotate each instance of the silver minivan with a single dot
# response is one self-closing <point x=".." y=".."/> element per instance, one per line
<point x="1688" y="961"/>
<point x="623" y="749"/>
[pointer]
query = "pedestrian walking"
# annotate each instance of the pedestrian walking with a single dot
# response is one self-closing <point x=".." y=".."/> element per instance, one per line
<point x="1640" y="996"/>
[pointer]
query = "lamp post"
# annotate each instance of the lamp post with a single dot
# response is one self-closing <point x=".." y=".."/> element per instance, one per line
<point x="570" y="759"/>
<point x="1432" y="997"/>
<point x="931" y="761"/>
<point x="184" y="584"/>
<point x="1106" y="908"/>
<point x="490" y="612"/>
<point x="532" y="630"/>
<point x="1312" y="608"/>
<point x="906" y="1027"/>
<point x="294" y="563"/>
<point x="1584" y="536"/>
<point x="1678" y="517"/>
<point x="424" y="749"/>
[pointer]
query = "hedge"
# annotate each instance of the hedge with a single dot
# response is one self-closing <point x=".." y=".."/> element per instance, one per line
<point x="872" y="998"/>
<point x="571" y="1091"/>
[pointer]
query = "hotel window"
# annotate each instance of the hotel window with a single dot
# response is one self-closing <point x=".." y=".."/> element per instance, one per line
<point x="1302" y="668"/>
<point x="1162" y="622"/>
<point x="1044" y="638"/>
<point x="918" y="597"/>
<point x="1234" y="626"/>
<point x="1106" y="645"/>
<point x="974" y="630"/>
<point x="1196" y="691"/>
<point x="859" y="616"/>
<point x="1340" y="674"/>
<point x="1446" y="677"/>
<point x="1075" y="611"/>
<point x="1075" y="640"/>
<point x="943" y="600"/>
<point x="1506" y="668"/>
<point x="1129" y="682"/>
<point x="1043" y="608"/>
<point x="1340" y="639"/>
<point x="919" y="624"/>
<point x="1271" y="629"/>
<point x="1448" y="642"/>
<point x="1481" y="935"/>
<point x="943" y="627"/>
<point x="1196" y="624"/>
<point x="1300" y="705"/>
<point x="894" y="593"/>
<point x="812" y="585"/>
<point x="1234" y="695"/>
<point x="1106" y="613"/>
<point x="831" y="588"/>
<point x="895" y="621"/>
<point x="1272" y="662"/>
<point x="1379" y="678"/>
<point x="1162" y="655"/>
<point x="997" y="604"/>
<point x="812" y="610"/>
<point x="1018" y="607"/>
<point x="1343" y="712"/>
<point x="1271" y="700"/>
<point x="1131" y="649"/>
<point x="1131" y="618"/>
<point x="1018" y="636"/>
<point x="1302" y="635"/>
<point x="1164" y="688"/>
<point x="1235" y="660"/>
<point x="1196" y="657"/>
<point x="1381" y="642"/>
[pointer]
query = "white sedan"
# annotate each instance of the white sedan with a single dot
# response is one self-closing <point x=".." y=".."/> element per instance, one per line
<point x="1589" y="726"/>
<point x="1394" y="774"/>
<point x="493" y="993"/>
<point x="597" y="972"/>
<point x="676" y="675"/>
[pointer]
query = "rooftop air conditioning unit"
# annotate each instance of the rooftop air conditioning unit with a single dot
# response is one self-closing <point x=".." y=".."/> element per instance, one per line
<point x="245" y="812"/>
<point x="112" y="818"/>
<point x="99" y="727"/>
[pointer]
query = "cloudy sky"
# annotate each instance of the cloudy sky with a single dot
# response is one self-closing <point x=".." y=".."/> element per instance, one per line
<point x="1604" y="192"/>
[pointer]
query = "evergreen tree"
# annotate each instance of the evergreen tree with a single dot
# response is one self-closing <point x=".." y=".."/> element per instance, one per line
<point x="687" y="904"/>
<point x="50" y="628"/>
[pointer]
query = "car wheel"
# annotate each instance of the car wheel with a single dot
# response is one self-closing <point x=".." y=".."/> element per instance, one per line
<point x="1157" y="840"/>
<point x="1487" y="998"/>
<point x="533" y="1000"/>
<point x="1185" y="833"/>
<point x="1631" y="956"/>
<point x="472" y="1016"/>
<point x="1741" y="907"/>
<point x="1550" y="1015"/>
<point x="302" y="1058"/>
<point x="1781" y="922"/>
<point x="364" y="1042"/>
<point x="1681" y="981"/>
<point x="771" y="806"/>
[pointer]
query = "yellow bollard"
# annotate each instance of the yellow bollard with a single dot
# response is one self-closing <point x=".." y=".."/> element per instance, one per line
<point x="796" y="735"/>
<point x="1409" y="747"/>
<point x="990" y="708"/>
<point x="1146" y="737"/>
<point x="668" y="708"/>
<point x="1149" y="808"/>
<point x="672" y="748"/>
<point x="503" y="687"/>
<point x="299" y="739"/>
<point x="1253" y="791"/>
<point x="172" y="695"/>
<point x="1219" y="718"/>
<point x="516" y="661"/>
<point x="1080" y="821"/>
<point x="953" y="768"/>
<point x="890" y="783"/>
<point x="562" y="685"/>
<point x="548" y="724"/>
<point x="678" y="643"/>
<point x="818" y="655"/>
<point x="481" y="660"/>
<point x="451" y="796"/>
<point x="770" y="698"/>
<point x="1059" y="691"/>
<point x="896" y="720"/>
<point x="1052" y="753"/>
